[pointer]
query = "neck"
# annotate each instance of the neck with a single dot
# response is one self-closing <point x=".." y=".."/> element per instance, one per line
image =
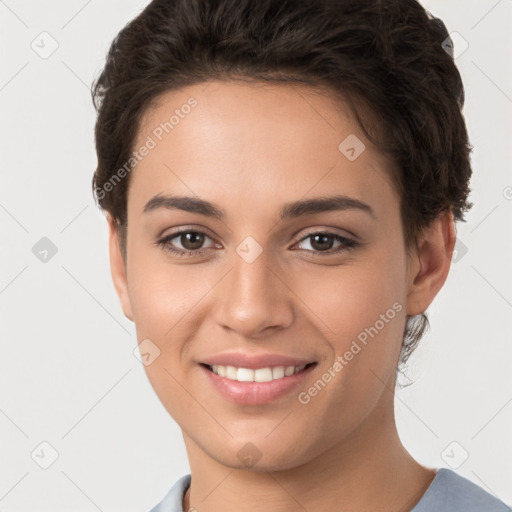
<point x="368" y="470"/>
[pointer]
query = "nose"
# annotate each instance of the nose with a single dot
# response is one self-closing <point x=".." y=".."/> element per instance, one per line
<point x="254" y="298"/>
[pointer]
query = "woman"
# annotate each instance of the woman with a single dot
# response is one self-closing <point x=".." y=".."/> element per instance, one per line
<point x="281" y="181"/>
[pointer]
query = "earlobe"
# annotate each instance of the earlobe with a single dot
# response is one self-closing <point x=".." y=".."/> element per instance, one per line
<point x="430" y="263"/>
<point x="118" y="269"/>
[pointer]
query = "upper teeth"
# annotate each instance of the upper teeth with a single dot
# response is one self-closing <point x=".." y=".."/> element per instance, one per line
<point x="258" y="375"/>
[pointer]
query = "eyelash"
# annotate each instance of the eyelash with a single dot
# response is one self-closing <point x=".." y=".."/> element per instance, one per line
<point x="164" y="242"/>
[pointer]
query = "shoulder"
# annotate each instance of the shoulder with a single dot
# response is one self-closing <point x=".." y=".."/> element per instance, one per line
<point x="450" y="492"/>
<point x="172" y="501"/>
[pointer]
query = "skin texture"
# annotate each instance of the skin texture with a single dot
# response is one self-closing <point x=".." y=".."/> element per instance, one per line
<point x="250" y="148"/>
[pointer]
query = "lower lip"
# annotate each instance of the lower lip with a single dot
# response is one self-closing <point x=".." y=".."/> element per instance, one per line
<point x="255" y="393"/>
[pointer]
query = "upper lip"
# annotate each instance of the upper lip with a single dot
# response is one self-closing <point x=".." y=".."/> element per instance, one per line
<point x="254" y="361"/>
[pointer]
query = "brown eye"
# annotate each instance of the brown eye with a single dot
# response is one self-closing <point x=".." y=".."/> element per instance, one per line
<point x="323" y="242"/>
<point x="191" y="242"/>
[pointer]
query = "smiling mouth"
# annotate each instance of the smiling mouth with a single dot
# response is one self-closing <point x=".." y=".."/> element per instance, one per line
<point x="265" y="374"/>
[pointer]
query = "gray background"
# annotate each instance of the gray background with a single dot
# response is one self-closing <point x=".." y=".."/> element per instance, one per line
<point x="68" y="374"/>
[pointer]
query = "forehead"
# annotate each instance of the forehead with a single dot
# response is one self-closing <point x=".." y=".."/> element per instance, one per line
<point x="254" y="141"/>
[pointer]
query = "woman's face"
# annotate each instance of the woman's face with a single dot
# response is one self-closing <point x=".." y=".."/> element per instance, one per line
<point x="273" y="280"/>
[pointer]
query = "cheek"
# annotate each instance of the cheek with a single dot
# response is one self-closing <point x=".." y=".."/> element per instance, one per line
<point x="359" y="309"/>
<point x="169" y="303"/>
<point x="161" y="293"/>
<point x="350" y="298"/>
<point x="164" y="301"/>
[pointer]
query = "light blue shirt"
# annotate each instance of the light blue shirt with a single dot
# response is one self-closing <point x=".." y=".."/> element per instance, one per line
<point x="448" y="492"/>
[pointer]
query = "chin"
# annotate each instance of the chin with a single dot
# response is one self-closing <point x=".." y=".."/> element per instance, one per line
<point x="261" y="457"/>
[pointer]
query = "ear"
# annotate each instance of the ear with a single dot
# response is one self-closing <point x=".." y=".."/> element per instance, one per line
<point x="118" y="269"/>
<point x="430" y="262"/>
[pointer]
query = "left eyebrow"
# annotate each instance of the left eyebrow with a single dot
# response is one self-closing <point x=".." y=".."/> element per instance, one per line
<point x="323" y="204"/>
<point x="288" y="211"/>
